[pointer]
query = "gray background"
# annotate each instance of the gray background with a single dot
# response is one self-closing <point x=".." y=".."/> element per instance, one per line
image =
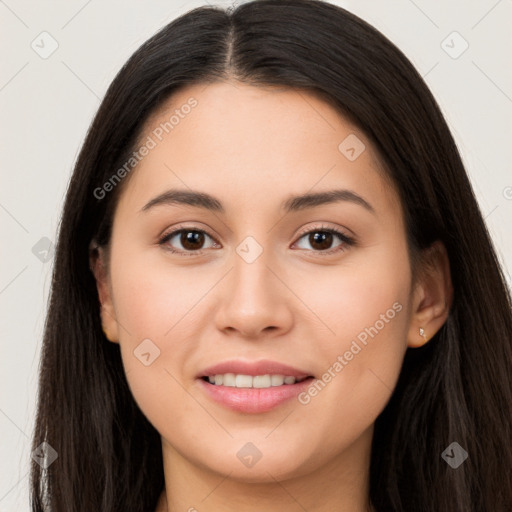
<point x="46" y="106"/>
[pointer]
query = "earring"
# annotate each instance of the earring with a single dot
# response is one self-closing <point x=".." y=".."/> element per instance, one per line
<point x="105" y="332"/>
<point x="422" y="333"/>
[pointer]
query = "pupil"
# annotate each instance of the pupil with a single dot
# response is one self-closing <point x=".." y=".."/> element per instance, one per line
<point x="189" y="239"/>
<point x="321" y="237"/>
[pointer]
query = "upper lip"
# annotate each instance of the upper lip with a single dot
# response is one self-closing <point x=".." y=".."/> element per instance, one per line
<point x="262" y="367"/>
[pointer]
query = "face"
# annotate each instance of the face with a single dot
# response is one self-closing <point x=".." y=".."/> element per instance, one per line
<point x="321" y="286"/>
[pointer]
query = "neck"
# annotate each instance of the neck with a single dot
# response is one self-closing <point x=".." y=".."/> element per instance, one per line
<point x="341" y="483"/>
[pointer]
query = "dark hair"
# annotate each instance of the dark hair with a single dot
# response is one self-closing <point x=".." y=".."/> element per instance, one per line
<point x="457" y="387"/>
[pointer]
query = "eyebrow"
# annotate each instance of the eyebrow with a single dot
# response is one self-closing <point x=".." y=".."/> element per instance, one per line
<point x="292" y="204"/>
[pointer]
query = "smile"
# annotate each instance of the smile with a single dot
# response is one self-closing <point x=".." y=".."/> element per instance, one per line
<point x="252" y="381"/>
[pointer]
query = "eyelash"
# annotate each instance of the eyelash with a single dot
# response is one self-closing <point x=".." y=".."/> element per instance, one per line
<point x="347" y="240"/>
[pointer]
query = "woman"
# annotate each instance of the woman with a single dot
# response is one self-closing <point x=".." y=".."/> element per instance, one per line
<point x="269" y="292"/>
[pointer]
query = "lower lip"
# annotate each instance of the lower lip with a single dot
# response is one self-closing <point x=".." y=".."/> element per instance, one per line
<point x="254" y="400"/>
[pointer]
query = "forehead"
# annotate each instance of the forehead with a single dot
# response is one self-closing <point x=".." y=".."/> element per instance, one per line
<point x="254" y="146"/>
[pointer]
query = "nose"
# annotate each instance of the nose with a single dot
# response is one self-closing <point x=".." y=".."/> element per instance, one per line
<point x="255" y="301"/>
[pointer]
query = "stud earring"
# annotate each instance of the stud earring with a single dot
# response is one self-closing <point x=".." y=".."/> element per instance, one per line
<point x="105" y="332"/>
<point x="422" y="333"/>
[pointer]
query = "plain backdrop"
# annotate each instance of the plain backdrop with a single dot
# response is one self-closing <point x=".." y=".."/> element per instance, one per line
<point x="47" y="101"/>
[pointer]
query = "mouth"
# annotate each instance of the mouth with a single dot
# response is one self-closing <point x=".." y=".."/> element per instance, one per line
<point x="253" y="394"/>
<point x="252" y="386"/>
<point x="265" y="381"/>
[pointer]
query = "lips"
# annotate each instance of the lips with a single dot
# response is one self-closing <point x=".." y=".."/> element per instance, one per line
<point x="256" y="399"/>
<point x="262" y="367"/>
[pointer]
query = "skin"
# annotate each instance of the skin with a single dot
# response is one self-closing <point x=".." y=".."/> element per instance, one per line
<point x="252" y="147"/>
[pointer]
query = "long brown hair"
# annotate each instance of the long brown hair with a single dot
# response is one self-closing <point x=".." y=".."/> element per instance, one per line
<point x="457" y="388"/>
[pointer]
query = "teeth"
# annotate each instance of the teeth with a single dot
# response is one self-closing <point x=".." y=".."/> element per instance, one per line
<point x="249" y="381"/>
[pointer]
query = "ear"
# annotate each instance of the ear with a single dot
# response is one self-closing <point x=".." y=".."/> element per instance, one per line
<point x="432" y="295"/>
<point x="98" y="263"/>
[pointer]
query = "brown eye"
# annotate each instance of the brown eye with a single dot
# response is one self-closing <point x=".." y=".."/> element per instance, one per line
<point x="191" y="241"/>
<point x="321" y="240"/>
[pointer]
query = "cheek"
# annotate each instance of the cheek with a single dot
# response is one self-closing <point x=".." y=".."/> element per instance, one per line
<point x="367" y="310"/>
<point x="153" y="299"/>
<point x="155" y="313"/>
